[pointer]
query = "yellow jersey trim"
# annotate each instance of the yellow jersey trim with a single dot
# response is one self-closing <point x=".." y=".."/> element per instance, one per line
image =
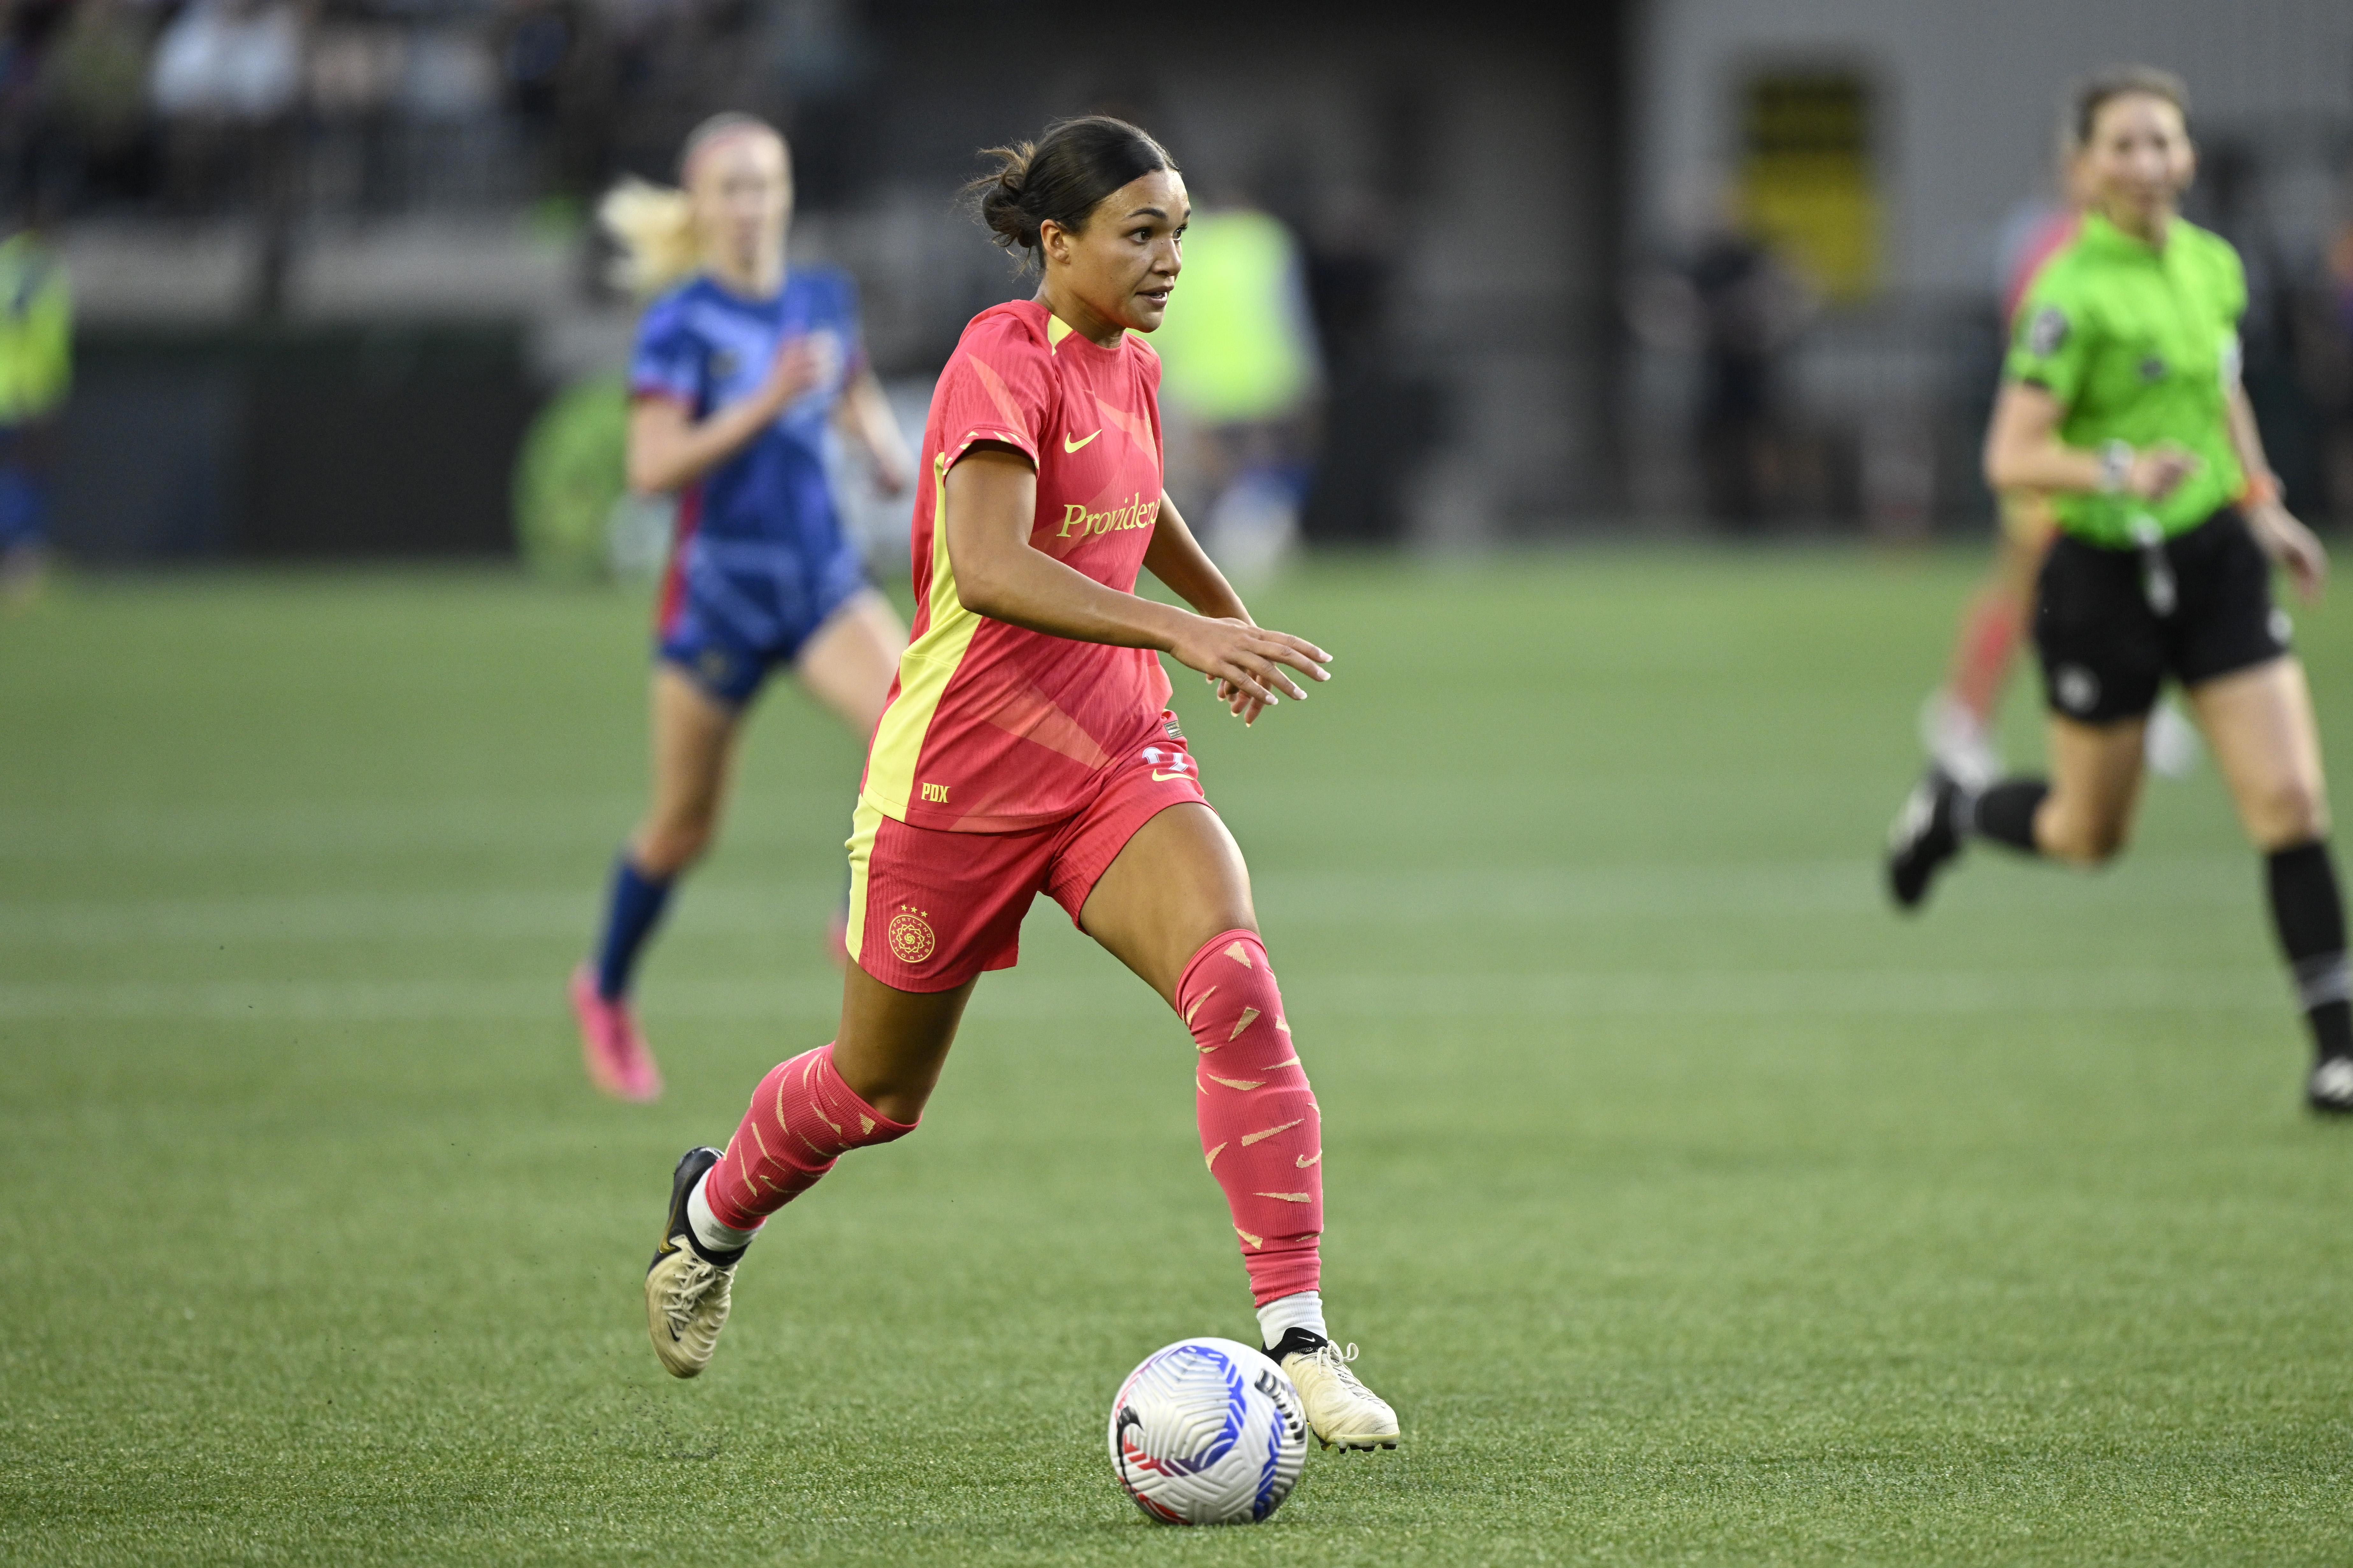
<point x="924" y="671"/>
<point x="864" y="824"/>
<point x="1057" y="330"/>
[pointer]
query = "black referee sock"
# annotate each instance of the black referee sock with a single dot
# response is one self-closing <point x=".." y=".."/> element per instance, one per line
<point x="2005" y="813"/>
<point x="2309" y="915"/>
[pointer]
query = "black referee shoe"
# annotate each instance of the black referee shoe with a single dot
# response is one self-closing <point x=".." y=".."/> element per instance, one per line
<point x="2329" y="1090"/>
<point x="1925" y="835"/>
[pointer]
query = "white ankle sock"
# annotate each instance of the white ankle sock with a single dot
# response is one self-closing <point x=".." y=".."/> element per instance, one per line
<point x="708" y="1230"/>
<point x="1304" y="1311"/>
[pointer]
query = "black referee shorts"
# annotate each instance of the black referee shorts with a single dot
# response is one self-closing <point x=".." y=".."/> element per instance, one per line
<point x="2108" y="637"/>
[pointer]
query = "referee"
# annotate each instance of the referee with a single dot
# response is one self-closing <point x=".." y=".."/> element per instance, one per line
<point x="2121" y="399"/>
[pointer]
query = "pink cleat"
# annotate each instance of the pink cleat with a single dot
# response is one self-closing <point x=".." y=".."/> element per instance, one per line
<point x="615" y="1054"/>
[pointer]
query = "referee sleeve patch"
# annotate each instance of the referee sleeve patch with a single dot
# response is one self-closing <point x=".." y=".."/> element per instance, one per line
<point x="2048" y="332"/>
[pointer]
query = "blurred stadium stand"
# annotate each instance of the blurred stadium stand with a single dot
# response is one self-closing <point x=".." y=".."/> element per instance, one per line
<point x="331" y="255"/>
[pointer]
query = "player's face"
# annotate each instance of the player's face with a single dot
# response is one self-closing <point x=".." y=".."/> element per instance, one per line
<point x="743" y="191"/>
<point x="2138" y="160"/>
<point x="1126" y="261"/>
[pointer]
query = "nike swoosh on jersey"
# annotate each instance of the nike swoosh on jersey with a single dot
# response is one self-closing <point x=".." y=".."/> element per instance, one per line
<point x="1070" y="446"/>
<point x="1159" y="777"/>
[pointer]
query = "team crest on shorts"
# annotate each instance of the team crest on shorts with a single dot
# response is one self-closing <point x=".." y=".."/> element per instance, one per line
<point x="2077" y="688"/>
<point x="910" y="935"/>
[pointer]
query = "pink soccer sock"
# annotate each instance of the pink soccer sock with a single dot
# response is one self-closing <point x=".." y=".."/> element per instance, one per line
<point x="1261" y="1131"/>
<point x="803" y="1118"/>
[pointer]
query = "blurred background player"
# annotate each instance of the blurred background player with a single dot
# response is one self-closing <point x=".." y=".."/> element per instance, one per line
<point x="1958" y="719"/>
<point x="36" y="373"/>
<point x="1239" y="380"/>
<point x="1029" y="747"/>
<point x="740" y="365"/>
<point x="2122" y="400"/>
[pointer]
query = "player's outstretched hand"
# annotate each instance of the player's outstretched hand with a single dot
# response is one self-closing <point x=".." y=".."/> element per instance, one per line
<point x="2294" y="547"/>
<point x="1244" y="663"/>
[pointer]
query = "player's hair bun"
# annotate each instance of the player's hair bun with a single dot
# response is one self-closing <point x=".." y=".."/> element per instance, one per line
<point x="1060" y="178"/>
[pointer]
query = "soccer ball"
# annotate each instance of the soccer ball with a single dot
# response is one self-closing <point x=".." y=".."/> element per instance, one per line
<point x="1208" y="1432"/>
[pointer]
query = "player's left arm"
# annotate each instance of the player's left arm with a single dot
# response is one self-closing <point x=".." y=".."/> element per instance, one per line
<point x="864" y="415"/>
<point x="2287" y="542"/>
<point x="1177" y="558"/>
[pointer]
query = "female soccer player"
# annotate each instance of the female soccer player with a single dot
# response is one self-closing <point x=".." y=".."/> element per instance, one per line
<point x="1027" y="746"/>
<point x="1957" y="720"/>
<point x="739" y="366"/>
<point x="2122" y="400"/>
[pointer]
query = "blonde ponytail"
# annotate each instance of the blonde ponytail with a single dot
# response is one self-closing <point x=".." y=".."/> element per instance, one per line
<point x="654" y="226"/>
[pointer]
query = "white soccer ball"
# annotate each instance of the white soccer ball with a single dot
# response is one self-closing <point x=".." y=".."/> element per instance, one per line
<point x="1208" y="1432"/>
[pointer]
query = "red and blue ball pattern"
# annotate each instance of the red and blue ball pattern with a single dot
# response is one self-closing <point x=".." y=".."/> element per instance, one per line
<point x="1207" y="1431"/>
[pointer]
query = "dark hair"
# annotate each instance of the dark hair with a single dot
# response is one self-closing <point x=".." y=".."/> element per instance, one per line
<point x="2094" y="92"/>
<point x="1060" y="178"/>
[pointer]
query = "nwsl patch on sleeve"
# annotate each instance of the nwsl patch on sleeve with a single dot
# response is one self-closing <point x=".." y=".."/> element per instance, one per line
<point x="2047" y="332"/>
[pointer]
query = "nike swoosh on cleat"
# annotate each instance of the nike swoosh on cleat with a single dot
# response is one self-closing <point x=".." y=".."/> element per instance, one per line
<point x="1070" y="446"/>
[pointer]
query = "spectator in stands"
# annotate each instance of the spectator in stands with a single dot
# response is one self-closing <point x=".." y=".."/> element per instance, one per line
<point x="227" y="77"/>
<point x="2333" y="371"/>
<point x="1733" y="301"/>
<point x="29" y="29"/>
<point x="560" y="70"/>
<point x="95" y="82"/>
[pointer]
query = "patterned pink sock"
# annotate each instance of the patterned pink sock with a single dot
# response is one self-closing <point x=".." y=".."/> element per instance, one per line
<point x="803" y="1118"/>
<point x="1261" y="1131"/>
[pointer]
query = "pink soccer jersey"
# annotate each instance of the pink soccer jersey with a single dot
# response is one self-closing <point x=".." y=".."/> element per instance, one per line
<point x="990" y="727"/>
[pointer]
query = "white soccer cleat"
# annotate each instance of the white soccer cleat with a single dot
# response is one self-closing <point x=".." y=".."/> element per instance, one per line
<point x="2329" y="1090"/>
<point x="686" y="1293"/>
<point x="1340" y="1409"/>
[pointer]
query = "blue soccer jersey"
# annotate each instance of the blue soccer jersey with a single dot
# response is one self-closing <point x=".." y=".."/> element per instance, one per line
<point x="759" y="559"/>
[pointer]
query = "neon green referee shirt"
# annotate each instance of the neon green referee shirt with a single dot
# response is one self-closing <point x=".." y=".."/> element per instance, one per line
<point x="2140" y="345"/>
<point x="36" y="331"/>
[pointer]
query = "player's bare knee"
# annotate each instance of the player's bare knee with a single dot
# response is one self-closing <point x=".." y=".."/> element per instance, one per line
<point x="669" y="847"/>
<point x="2082" y="840"/>
<point x="2293" y="810"/>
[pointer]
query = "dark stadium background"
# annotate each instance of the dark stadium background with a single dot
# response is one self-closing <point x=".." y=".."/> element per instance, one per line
<point x="366" y="297"/>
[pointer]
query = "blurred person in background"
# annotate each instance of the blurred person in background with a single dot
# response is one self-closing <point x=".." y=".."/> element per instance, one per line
<point x="97" y="91"/>
<point x="741" y="363"/>
<point x="2334" y="361"/>
<point x="36" y="373"/>
<point x="559" y="70"/>
<point x="1957" y="721"/>
<point x="1731" y="300"/>
<point x="1240" y="378"/>
<point x="2122" y="401"/>
<point x="227" y="78"/>
<point x="28" y="142"/>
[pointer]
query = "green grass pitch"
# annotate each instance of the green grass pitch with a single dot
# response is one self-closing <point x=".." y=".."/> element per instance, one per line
<point x="1689" y="1205"/>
